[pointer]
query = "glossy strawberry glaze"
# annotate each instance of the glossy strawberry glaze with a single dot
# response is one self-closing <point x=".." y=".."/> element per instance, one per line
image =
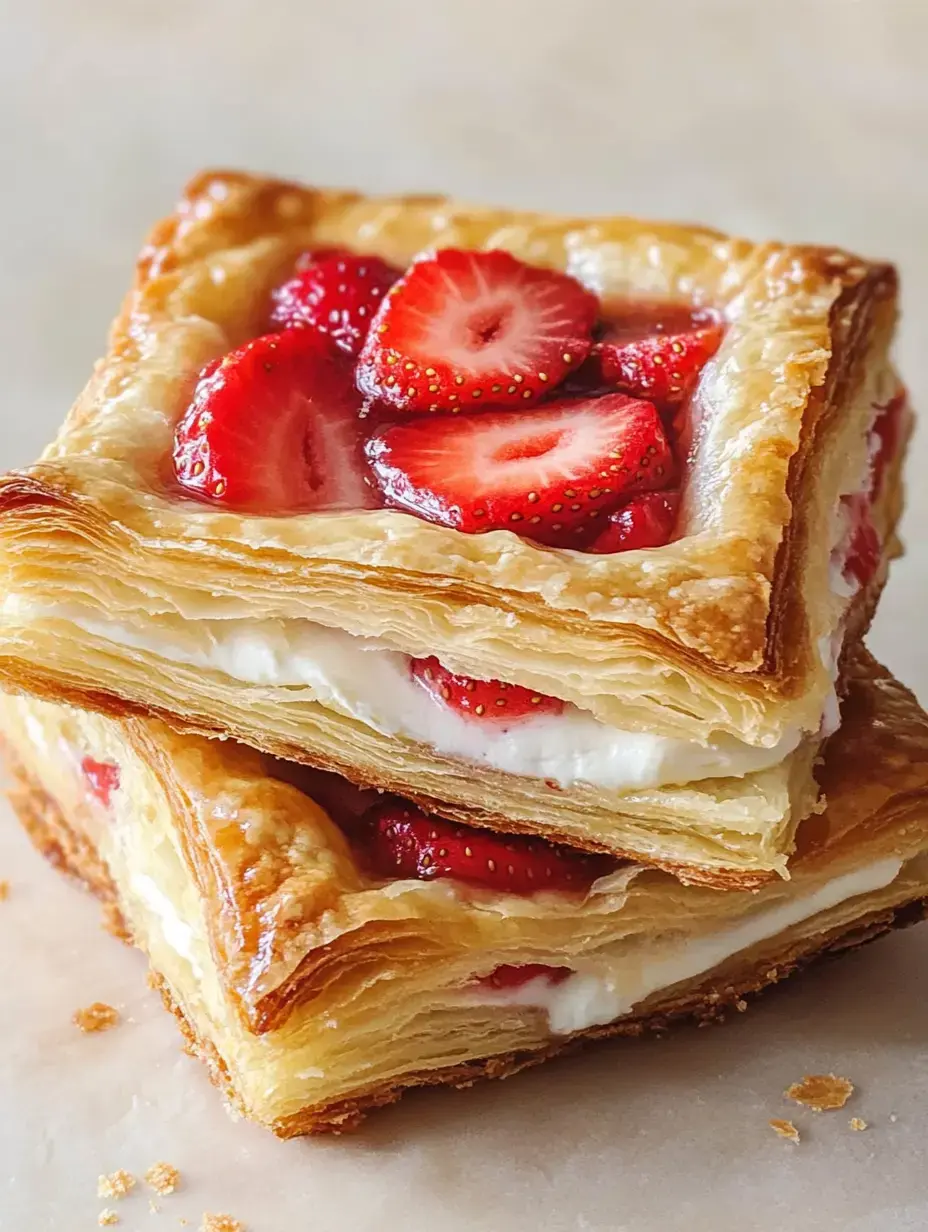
<point x="234" y="448"/>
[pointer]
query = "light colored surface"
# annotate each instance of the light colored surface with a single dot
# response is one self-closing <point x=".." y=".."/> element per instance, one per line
<point x="807" y="119"/>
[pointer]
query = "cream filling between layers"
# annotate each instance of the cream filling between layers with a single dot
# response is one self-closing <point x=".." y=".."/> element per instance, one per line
<point x="372" y="684"/>
<point x="586" y="1000"/>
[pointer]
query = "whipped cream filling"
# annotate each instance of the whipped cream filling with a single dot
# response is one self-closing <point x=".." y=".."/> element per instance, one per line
<point x="587" y="999"/>
<point x="365" y="680"/>
<point x="176" y="932"/>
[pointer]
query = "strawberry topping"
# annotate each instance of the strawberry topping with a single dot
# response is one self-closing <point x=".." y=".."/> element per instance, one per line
<point x="548" y="474"/>
<point x="399" y="840"/>
<point x="102" y="778"/>
<point x="865" y="550"/>
<point x="273" y="428"/>
<point x="489" y="700"/>
<point x="512" y="975"/>
<point x="886" y="430"/>
<point x="656" y="351"/>
<point x="462" y="330"/>
<point x="645" y="522"/>
<point x="337" y="294"/>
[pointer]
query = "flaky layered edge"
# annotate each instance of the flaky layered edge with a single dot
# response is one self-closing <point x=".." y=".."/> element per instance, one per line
<point x="257" y="853"/>
<point x="710" y="1002"/>
<point x="721" y="625"/>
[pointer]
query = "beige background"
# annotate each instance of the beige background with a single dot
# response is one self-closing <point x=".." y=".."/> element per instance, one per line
<point x="804" y="119"/>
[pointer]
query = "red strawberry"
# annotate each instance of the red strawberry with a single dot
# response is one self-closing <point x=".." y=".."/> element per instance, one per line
<point x="401" y="841"/>
<point x="645" y="522"/>
<point x="491" y="700"/>
<point x="547" y="474"/>
<point x="337" y="293"/>
<point x="511" y="975"/>
<point x="656" y="351"/>
<point x="886" y="430"/>
<point x="102" y="778"/>
<point x="274" y="428"/>
<point x="470" y="329"/>
<point x="865" y="550"/>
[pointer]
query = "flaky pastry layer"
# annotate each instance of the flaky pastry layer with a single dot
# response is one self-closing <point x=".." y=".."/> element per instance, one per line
<point x="719" y="631"/>
<point x="315" y="990"/>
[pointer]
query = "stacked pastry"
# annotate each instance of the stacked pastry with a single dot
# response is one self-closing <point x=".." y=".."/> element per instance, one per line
<point x="437" y="631"/>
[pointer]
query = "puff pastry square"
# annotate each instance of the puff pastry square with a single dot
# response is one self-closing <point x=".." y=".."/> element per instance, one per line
<point x="315" y="991"/>
<point x="697" y="673"/>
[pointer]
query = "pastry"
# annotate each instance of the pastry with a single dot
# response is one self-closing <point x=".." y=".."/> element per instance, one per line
<point x="322" y="959"/>
<point x="618" y="582"/>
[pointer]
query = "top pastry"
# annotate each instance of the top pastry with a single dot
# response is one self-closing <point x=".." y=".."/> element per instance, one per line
<point x="644" y="470"/>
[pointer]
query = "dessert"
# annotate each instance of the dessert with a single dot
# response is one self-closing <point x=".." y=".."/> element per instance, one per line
<point x="351" y="463"/>
<point x="324" y="947"/>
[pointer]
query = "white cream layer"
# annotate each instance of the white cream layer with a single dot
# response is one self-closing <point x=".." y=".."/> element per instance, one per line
<point x="363" y="679"/>
<point x="586" y="999"/>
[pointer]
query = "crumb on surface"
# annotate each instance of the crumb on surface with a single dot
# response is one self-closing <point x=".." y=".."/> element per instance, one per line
<point x="116" y="1185"/>
<point x="741" y="1005"/>
<point x="821" y="1092"/>
<point x="786" y="1129"/>
<point x="4" y="890"/>
<point x="96" y="1017"/>
<point x="107" y="1218"/>
<point x="857" y="1123"/>
<point x="163" y="1178"/>
<point x="221" y="1223"/>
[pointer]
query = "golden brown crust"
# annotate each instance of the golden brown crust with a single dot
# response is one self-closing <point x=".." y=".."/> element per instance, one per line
<point x="731" y="612"/>
<point x="890" y="715"/>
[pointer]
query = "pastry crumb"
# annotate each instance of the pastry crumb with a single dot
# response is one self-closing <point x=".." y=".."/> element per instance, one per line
<point x="163" y="1178"/>
<point x="116" y="1185"/>
<point x="821" y="1092"/>
<point x="107" y="1218"/>
<point x="221" y="1223"/>
<point x="786" y="1129"/>
<point x="857" y="1123"/>
<point x="4" y="890"/>
<point x="741" y="1005"/>
<point x="96" y="1017"/>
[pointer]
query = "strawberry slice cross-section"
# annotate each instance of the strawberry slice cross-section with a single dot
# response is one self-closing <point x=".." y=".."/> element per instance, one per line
<point x="551" y="474"/>
<point x="273" y="428"/>
<point x="493" y="701"/>
<point x="462" y="330"/>
<point x="656" y="351"/>
<point x="399" y="840"/>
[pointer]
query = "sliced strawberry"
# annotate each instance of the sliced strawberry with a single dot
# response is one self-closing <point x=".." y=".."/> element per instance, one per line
<point x="489" y="700"/>
<point x="102" y="778"/>
<point x="401" y="841"/>
<point x="468" y="329"/>
<point x="645" y="522"/>
<point x="274" y="428"/>
<point x="886" y="429"/>
<point x="511" y="975"/>
<point x="656" y="351"/>
<point x="865" y="550"/>
<point x="548" y="474"/>
<point x="337" y="293"/>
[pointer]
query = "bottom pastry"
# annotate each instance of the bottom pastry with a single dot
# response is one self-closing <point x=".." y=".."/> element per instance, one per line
<point x="324" y="948"/>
